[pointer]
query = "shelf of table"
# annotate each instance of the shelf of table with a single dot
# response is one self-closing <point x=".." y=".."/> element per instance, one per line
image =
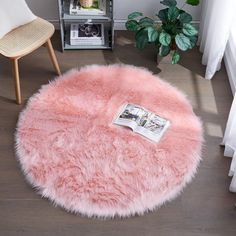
<point x="108" y="35"/>
<point x="65" y="19"/>
<point x="68" y="17"/>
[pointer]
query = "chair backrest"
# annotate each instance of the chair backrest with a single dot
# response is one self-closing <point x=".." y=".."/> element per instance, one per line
<point x="13" y="15"/>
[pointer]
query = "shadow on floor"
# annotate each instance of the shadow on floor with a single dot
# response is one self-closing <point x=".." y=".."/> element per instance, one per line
<point x="126" y="52"/>
<point x="190" y="60"/>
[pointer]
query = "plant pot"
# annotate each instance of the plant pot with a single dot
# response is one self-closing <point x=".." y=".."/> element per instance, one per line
<point x="164" y="60"/>
<point x="86" y="3"/>
<point x="168" y="58"/>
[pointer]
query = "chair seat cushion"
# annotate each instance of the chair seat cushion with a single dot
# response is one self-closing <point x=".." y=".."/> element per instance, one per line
<point x="26" y="38"/>
<point x="14" y="14"/>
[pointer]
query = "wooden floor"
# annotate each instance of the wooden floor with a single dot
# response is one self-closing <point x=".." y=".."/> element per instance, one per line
<point x="204" y="208"/>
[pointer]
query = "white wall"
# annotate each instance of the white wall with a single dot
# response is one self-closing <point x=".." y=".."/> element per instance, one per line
<point x="48" y="9"/>
<point x="148" y="7"/>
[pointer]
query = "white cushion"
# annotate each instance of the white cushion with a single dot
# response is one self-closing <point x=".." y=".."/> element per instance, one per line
<point x="14" y="14"/>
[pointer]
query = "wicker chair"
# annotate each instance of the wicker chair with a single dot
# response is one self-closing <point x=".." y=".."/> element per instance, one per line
<point x="22" y="41"/>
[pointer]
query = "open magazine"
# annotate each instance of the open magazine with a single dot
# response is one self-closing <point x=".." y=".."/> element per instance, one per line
<point x="142" y="121"/>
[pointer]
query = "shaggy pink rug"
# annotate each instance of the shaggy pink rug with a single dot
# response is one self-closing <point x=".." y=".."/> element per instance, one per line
<point x="71" y="152"/>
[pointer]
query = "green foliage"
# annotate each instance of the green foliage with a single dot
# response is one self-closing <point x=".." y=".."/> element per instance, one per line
<point x="174" y="33"/>
<point x="193" y="41"/>
<point x="146" y="21"/>
<point x="175" y="57"/>
<point x="183" y="42"/>
<point x="164" y="50"/>
<point x="132" y="25"/>
<point x="134" y="15"/>
<point x="193" y="2"/>
<point x="141" y="38"/>
<point x="173" y="13"/>
<point x="152" y="34"/>
<point x="189" y="30"/>
<point x="145" y="36"/>
<point x="163" y="15"/>
<point x="169" y="3"/>
<point x="164" y="39"/>
<point x="185" y="17"/>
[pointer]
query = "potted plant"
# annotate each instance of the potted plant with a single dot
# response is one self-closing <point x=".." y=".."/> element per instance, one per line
<point x="86" y="3"/>
<point x="174" y="31"/>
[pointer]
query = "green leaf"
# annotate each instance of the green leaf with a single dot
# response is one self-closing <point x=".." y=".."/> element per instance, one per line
<point x="157" y="43"/>
<point x="193" y="41"/>
<point x="163" y="15"/>
<point x="135" y="14"/>
<point x="132" y="25"/>
<point x="152" y="34"/>
<point x="182" y="42"/>
<point x="193" y="2"/>
<point x="146" y="21"/>
<point x="181" y="11"/>
<point x="164" y="38"/>
<point x="170" y="28"/>
<point x="185" y="18"/>
<point x="189" y="30"/>
<point x="175" y="57"/>
<point x="141" y="38"/>
<point x="173" y="13"/>
<point x="169" y="3"/>
<point x="164" y="50"/>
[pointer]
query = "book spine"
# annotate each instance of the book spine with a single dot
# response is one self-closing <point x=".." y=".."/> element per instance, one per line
<point x="74" y="43"/>
<point x="88" y="39"/>
<point x="74" y="31"/>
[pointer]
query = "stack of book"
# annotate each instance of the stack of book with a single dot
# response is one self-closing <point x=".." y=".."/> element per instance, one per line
<point x="98" y="8"/>
<point x="87" y="34"/>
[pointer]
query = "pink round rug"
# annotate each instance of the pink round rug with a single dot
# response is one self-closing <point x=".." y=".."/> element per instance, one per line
<point x="71" y="152"/>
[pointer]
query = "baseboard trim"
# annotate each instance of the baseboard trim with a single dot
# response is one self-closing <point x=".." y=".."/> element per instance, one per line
<point x="119" y="24"/>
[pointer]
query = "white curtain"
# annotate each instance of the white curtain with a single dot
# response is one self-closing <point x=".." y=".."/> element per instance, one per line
<point x="216" y="31"/>
<point x="230" y="144"/>
<point x="217" y="18"/>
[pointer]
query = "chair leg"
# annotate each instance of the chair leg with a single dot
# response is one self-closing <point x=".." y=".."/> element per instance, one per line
<point x="53" y="56"/>
<point x="15" y="69"/>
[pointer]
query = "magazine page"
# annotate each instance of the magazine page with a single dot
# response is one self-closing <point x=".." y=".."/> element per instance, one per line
<point x="130" y="115"/>
<point x="153" y="127"/>
<point x="142" y="121"/>
<point x="87" y="34"/>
